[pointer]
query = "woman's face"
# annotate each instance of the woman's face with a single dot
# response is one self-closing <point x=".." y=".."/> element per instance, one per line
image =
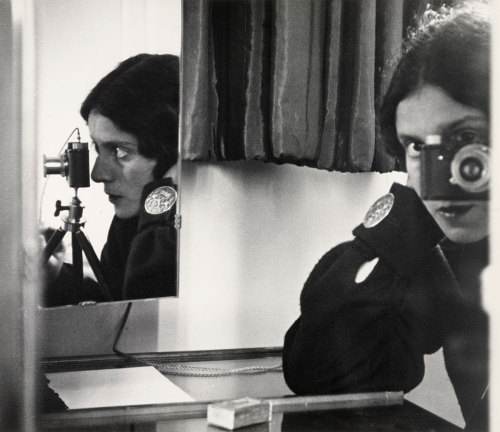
<point x="119" y="165"/>
<point x="431" y="111"/>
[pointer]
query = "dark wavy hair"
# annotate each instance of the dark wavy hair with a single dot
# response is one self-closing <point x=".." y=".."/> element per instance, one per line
<point x="448" y="48"/>
<point x="141" y="96"/>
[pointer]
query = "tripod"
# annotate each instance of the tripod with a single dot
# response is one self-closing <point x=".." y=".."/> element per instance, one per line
<point x="73" y="223"/>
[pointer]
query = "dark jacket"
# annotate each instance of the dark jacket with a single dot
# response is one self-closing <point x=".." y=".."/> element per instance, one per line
<point x="371" y="335"/>
<point x="139" y="260"/>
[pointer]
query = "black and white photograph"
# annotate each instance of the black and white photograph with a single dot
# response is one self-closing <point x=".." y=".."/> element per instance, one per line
<point x="252" y="215"/>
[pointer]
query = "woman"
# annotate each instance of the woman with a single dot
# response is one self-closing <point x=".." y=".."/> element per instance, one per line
<point x="132" y="115"/>
<point x="409" y="282"/>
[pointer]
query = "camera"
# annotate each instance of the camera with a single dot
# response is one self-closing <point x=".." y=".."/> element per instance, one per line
<point x="452" y="170"/>
<point x="72" y="164"/>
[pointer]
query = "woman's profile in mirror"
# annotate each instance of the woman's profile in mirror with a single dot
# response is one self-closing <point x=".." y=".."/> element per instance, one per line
<point x="114" y="234"/>
<point x="132" y="116"/>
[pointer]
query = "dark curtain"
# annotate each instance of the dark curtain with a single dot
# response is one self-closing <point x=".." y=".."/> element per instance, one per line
<point x="289" y="81"/>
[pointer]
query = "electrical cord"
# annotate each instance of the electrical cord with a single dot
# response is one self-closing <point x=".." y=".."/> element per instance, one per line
<point x="191" y="371"/>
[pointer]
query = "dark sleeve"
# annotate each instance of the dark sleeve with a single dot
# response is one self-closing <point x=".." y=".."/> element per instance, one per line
<point x="66" y="290"/>
<point x="151" y="269"/>
<point x="365" y="336"/>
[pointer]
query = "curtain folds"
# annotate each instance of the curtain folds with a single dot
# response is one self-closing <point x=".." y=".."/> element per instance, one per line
<point x="288" y="81"/>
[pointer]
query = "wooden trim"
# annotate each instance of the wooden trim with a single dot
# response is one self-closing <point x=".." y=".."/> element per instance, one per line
<point x="192" y="410"/>
<point x="122" y="415"/>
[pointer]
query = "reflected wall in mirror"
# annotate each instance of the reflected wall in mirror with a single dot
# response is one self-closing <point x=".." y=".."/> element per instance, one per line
<point x="130" y="200"/>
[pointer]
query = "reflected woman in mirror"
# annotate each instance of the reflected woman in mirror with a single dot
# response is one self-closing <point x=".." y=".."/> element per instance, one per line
<point x="132" y="115"/>
<point x="408" y="284"/>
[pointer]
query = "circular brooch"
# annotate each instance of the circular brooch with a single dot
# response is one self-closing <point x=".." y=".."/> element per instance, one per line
<point x="160" y="200"/>
<point x="379" y="210"/>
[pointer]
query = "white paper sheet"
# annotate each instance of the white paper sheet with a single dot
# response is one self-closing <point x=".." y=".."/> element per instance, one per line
<point x="115" y="387"/>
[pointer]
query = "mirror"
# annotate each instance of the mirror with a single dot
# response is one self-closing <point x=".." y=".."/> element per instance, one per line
<point x="77" y="44"/>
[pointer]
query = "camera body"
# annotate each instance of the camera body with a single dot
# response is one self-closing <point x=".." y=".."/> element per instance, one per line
<point x="72" y="164"/>
<point x="450" y="171"/>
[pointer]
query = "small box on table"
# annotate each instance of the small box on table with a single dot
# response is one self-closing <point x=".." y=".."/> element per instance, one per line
<point x="237" y="413"/>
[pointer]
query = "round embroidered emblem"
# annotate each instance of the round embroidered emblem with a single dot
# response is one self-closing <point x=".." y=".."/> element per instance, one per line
<point x="378" y="211"/>
<point x="160" y="200"/>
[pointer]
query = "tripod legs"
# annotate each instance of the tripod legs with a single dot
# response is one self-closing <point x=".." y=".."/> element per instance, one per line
<point x="52" y="244"/>
<point x="84" y="243"/>
<point x="77" y="260"/>
<point x="79" y="243"/>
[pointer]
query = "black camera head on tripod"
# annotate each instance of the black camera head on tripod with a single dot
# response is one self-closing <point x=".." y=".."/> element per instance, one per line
<point x="73" y="164"/>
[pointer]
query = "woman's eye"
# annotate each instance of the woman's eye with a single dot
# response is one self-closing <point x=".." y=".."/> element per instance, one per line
<point x="413" y="149"/>
<point x="120" y="152"/>
<point x="468" y="136"/>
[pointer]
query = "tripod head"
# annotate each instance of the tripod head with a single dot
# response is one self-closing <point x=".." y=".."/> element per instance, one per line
<point x="73" y="221"/>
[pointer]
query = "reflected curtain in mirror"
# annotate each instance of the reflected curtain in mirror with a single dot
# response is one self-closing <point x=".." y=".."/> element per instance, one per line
<point x="289" y="81"/>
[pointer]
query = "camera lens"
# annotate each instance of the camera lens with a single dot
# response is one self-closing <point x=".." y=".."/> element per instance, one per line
<point x="55" y="165"/>
<point x="470" y="168"/>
